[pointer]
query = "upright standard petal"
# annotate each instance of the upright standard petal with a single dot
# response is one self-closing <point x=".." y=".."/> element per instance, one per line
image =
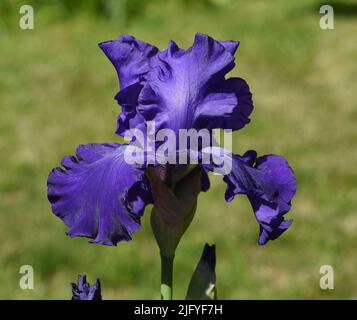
<point x="197" y="92"/>
<point x="98" y="195"/>
<point x="269" y="183"/>
<point x="132" y="59"/>
<point x="188" y="89"/>
<point x="230" y="46"/>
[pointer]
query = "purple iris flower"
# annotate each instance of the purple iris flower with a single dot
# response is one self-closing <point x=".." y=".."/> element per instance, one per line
<point x="100" y="196"/>
<point x="84" y="291"/>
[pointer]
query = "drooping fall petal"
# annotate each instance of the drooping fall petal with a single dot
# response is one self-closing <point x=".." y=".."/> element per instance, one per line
<point x="98" y="195"/>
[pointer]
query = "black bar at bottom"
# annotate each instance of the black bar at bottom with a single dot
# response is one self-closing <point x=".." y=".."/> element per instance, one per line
<point x="151" y="309"/>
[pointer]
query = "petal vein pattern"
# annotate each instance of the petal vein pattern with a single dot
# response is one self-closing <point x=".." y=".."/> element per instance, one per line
<point x="98" y="195"/>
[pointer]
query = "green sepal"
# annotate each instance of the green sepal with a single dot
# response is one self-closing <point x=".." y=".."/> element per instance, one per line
<point x="174" y="208"/>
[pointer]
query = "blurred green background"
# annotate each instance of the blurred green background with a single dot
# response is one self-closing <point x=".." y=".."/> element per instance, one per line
<point x="56" y="91"/>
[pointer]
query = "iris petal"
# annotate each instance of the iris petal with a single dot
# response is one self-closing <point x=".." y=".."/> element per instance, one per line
<point x="129" y="117"/>
<point x="230" y="46"/>
<point x="270" y="185"/>
<point x="132" y="59"/>
<point x="179" y="89"/>
<point x="227" y="105"/>
<point x="187" y="89"/>
<point x="98" y="195"/>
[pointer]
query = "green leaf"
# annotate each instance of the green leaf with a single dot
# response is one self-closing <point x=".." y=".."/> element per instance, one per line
<point x="203" y="281"/>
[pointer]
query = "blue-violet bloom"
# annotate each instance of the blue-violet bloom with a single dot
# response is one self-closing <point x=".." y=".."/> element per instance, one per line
<point x="100" y="196"/>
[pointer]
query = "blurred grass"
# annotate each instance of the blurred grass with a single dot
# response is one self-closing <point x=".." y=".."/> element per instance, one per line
<point x="56" y="91"/>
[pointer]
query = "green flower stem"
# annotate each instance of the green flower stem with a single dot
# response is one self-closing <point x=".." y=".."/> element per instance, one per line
<point x="167" y="266"/>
